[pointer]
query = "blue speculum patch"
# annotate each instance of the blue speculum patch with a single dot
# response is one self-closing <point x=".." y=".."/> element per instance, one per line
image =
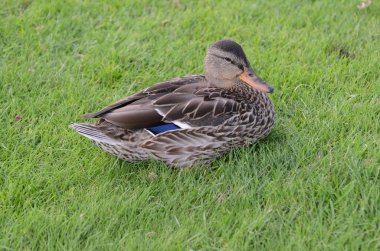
<point x="164" y="127"/>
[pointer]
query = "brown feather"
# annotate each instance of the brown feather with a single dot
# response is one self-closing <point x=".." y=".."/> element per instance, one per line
<point x="133" y="118"/>
<point x="163" y="88"/>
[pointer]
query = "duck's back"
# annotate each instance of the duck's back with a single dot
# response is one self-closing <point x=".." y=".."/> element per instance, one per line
<point x="186" y="102"/>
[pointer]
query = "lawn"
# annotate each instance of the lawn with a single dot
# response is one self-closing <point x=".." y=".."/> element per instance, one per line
<point x="313" y="184"/>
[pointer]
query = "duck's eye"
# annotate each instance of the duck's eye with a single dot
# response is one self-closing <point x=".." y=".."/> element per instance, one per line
<point x="228" y="59"/>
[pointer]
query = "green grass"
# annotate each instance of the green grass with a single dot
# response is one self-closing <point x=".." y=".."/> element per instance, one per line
<point x="313" y="184"/>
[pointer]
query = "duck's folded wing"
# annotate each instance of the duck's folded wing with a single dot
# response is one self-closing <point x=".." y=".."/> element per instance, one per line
<point x="183" y="109"/>
<point x="186" y="102"/>
<point x="150" y="93"/>
<point x="200" y="108"/>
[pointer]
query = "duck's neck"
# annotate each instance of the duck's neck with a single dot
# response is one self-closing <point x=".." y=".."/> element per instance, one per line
<point x="256" y="98"/>
<point x="246" y="91"/>
<point x="220" y="83"/>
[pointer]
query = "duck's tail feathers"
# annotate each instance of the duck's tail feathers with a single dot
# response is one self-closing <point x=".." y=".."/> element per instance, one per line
<point x="92" y="132"/>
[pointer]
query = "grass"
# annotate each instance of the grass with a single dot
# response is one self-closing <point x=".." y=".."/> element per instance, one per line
<point x="313" y="184"/>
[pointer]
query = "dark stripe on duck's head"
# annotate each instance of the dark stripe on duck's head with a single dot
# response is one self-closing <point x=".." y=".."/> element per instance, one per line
<point x="231" y="47"/>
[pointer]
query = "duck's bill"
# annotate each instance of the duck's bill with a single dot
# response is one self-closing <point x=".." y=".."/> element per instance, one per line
<point x="249" y="77"/>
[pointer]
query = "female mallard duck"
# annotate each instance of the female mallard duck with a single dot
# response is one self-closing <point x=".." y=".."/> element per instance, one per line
<point x="191" y="119"/>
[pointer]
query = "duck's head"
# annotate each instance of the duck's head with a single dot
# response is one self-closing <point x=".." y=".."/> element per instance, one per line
<point x="226" y="65"/>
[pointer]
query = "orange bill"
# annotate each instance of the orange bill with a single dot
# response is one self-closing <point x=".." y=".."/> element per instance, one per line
<point x="249" y="77"/>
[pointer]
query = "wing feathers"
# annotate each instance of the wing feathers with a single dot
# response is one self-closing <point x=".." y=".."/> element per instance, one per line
<point x="185" y="100"/>
<point x="133" y="117"/>
<point x="92" y="132"/>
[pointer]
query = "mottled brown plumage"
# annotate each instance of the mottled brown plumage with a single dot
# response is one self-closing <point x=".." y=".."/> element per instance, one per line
<point x="225" y="108"/>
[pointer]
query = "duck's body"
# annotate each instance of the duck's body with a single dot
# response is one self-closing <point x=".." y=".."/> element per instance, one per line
<point x="185" y="120"/>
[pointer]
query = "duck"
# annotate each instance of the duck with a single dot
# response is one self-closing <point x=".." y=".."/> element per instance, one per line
<point x="188" y="121"/>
